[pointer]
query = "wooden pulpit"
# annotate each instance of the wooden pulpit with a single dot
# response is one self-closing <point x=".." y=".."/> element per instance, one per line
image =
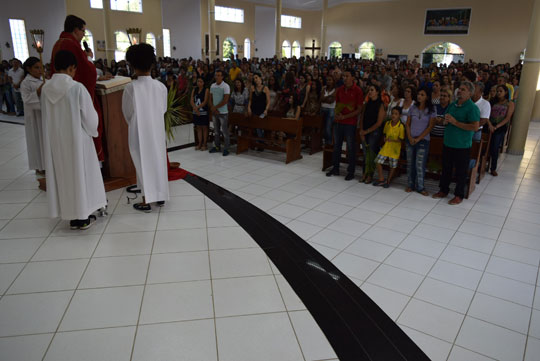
<point x="118" y="169"/>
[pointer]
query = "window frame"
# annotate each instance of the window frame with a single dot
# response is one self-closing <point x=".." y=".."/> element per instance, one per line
<point x="126" y="11"/>
<point x="116" y="49"/>
<point x="19" y="41"/>
<point x="216" y="8"/>
<point x="291" y="22"/>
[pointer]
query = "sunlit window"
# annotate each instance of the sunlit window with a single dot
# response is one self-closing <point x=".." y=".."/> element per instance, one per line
<point x="151" y="40"/>
<point x="89" y="38"/>
<point x="166" y="42"/>
<point x="229" y="14"/>
<point x="288" y="21"/>
<point x="247" y="48"/>
<point x="296" y="49"/>
<point x="127" y="5"/>
<point x="286" y="49"/>
<point x="122" y="44"/>
<point x="96" y="4"/>
<point x="18" y="36"/>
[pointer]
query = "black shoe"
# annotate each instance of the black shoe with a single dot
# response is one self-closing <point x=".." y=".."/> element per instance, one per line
<point x="332" y="172"/>
<point x="74" y="224"/>
<point x="146" y="208"/>
<point x="160" y="203"/>
<point x="349" y="176"/>
<point x="214" y="150"/>
<point x="87" y="223"/>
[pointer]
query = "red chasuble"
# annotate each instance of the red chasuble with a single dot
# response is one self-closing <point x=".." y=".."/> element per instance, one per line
<point x="86" y="74"/>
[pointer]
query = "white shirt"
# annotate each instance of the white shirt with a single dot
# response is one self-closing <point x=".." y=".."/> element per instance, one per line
<point x="485" y="109"/>
<point x="329" y="105"/>
<point x="17" y="76"/>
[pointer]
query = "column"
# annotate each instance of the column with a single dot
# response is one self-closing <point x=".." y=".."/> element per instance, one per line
<point x="322" y="52"/>
<point x="278" y="29"/>
<point x="212" y="29"/>
<point x="110" y="41"/>
<point x="527" y="86"/>
<point x="536" y="110"/>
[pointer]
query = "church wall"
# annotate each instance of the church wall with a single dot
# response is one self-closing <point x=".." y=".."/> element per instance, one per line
<point x="47" y="15"/>
<point x="150" y="21"/>
<point x="182" y="18"/>
<point x="498" y="30"/>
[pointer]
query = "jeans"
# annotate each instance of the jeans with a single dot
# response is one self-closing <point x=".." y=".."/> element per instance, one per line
<point x="18" y="102"/>
<point x="417" y="156"/>
<point x="221" y="126"/>
<point x="347" y="132"/>
<point x="7" y="96"/>
<point x="371" y="149"/>
<point x="457" y="158"/>
<point x="497" y="138"/>
<point x="477" y="136"/>
<point x="328" y="120"/>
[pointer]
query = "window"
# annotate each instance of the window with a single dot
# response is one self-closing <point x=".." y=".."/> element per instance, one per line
<point x="89" y="38"/>
<point x="247" y="48"/>
<point x="286" y="49"/>
<point x="127" y="5"/>
<point x="96" y="4"/>
<point x="229" y="48"/>
<point x="122" y="44"/>
<point x="335" y="50"/>
<point x="288" y="21"/>
<point x="18" y="36"/>
<point x="296" y="49"/>
<point x="442" y="53"/>
<point x="166" y="42"/>
<point x="229" y="14"/>
<point x="367" y="50"/>
<point x="151" y="40"/>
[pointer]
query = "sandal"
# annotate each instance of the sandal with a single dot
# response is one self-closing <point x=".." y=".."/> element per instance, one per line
<point x="368" y="179"/>
<point x="379" y="183"/>
<point x="146" y="208"/>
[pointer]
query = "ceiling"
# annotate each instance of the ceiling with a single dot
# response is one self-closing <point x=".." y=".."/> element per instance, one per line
<point x="311" y="4"/>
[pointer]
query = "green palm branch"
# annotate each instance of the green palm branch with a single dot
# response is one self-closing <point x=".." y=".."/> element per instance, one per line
<point x="178" y="111"/>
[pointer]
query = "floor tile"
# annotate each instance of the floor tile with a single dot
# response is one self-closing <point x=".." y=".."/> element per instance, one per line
<point x="179" y="267"/>
<point x="348" y="199"/>
<point x="248" y="338"/>
<point x="305" y="201"/>
<point x="517" y="253"/>
<point x="434" y="348"/>
<point x="491" y="340"/>
<point x="456" y="274"/>
<point x="33" y="210"/>
<point x="229" y="237"/>
<point x="8" y="273"/>
<point x="32" y="313"/>
<point x="410" y="261"/>
<point x="25" y="348"/>
<point x="507" y="289"/>
<point x="288" y="210"/>
<point x="18" y="249"/>
<point x="313" y="342"/>
<point x="113" y="344"/>
<point x="408" y="213"/>
<point x="244" y="296"/>
<point x="327" y="252"/>
<point x="512" y="269"/>
<point x="18" y="196"/>
<point x="392" y="303"/>
<point x="317" y="218"/>
<point x="533" y="349"/>
<point x="461" y="354"/>
<point x="332" y="239"/>
<point x="303" y="229"/>
<point x="383" y="235"/>
<point x="423" y="246"/>
<point x="132" y="223"/>
<point x="103" y="307"/>
<point x="395" y="279"/>
<point x="377" y="206"/>
<point x="184" y="240"/>
<point x="115" y="271"/>
<point x="350" y="227"/>
<point x="433" y="232"/>
<point x="11" y="211"/>
<point x="28" y="228"/>
<point x="442" y="221"/>
<point x="184" y="203"/>
<point x="397" y="224"/>
<point x="534" y="330"/>
<point x="291" y="299"/>
<point x="478" y="229"/>
<point x="181" y="220"/>
<point x="445" y="295"/>
<point x="500" y="312"/>
<point x="49" y="276"/>
<point x="125" y="244"/>
<point x="475" y="243"/>
<point x="333" y="208"/>
<point x="57" y="248"/>
<point x="369" y="249"/>
<point x="239" y="263"/>
<point x="219" y="218"/>
<point x="193" y="340"/>
<point x="264" y="204"/>
<point x="354" y="266"/>
<point x="465" y="257"/>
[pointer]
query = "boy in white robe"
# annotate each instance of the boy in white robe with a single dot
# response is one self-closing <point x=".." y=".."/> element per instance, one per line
<point x="144" y="104"/>
<point x="31" y="92"/>
<point x="74" y="182"/>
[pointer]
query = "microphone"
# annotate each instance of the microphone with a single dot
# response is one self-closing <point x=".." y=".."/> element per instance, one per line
<point x="85" y="44"/>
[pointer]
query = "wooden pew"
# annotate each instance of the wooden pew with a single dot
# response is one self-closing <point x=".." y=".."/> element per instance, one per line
<point x="312" y="132"/>
<point x="484" y="156"/>
<point x="249" y="138"/>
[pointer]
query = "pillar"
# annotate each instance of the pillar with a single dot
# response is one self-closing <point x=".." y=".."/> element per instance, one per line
<point x="527" y="86"/>
<point x="278" y="29"/>
<point x="212" y="30"/>
<point x="108" y="36"/>
<point x="322" y="52"/>
<point x="536" y="110"/>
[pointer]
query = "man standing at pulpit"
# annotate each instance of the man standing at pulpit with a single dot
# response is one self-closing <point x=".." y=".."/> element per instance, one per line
<point x="70" y="40"/>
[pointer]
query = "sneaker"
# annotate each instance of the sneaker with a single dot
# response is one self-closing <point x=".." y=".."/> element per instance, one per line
<point x="225" y="153"/>
<point x="74" y="224"/>
<point x="87" y="223"/>
<point x="146" y="208"/>
<point x="332" y="172"/>
<point x="349" y="176"/>
<point x="215" y="150"/>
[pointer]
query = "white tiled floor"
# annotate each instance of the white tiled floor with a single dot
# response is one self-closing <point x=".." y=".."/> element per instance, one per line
<point x="185" y="280"/>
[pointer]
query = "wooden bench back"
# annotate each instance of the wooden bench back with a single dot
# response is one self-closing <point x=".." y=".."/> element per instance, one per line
<point x="271" y="123"/>
<point x="312" y="121"/>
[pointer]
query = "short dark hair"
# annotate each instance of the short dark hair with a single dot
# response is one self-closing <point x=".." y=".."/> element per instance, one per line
<point x="63" y="59"/>
<point x="141" y="56"/>
<point x="73" y="22"/>
<point x="30" y="62"/>
<point x="398" y="109"/>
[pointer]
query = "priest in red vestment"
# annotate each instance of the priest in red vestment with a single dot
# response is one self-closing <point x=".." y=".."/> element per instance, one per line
<point x="70" y="39"/>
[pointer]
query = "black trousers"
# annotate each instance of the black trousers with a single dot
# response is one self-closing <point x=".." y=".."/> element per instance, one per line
<point x="458" y="159"/>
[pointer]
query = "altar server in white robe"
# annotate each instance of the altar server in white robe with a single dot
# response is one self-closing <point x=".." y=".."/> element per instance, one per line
<point x="75" y="187"/>
<point x="144" y="104"/>
<point x="31" y="92"/>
